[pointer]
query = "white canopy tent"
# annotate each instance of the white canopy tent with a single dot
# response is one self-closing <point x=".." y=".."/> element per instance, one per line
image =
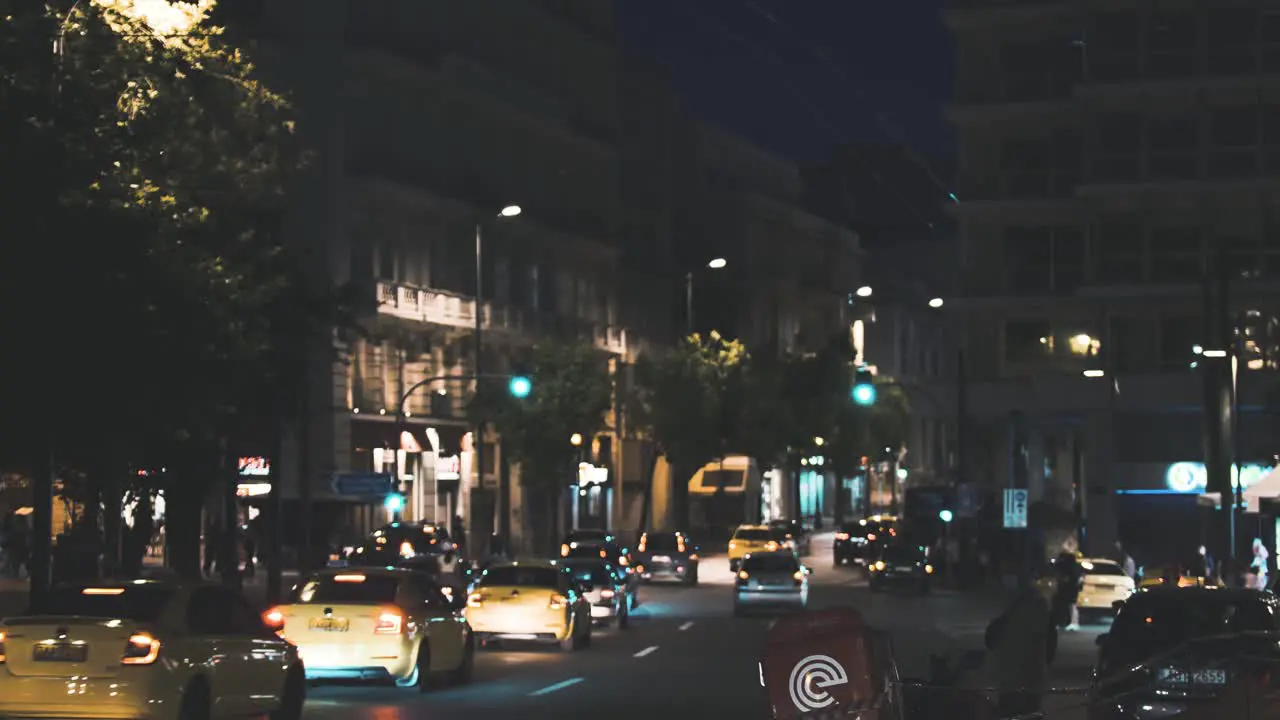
<point x="1267" y="488"/>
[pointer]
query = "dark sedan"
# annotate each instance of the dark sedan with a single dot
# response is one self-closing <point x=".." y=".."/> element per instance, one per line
<point x="858" y="542"/>
<point x="667" y="556"/>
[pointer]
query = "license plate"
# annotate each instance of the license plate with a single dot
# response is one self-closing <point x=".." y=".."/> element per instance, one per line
<point x="660" y="559"/>
<point x="330" y="624"/>
<point x="60" y="652"/>
<point x="1194" y="677"/>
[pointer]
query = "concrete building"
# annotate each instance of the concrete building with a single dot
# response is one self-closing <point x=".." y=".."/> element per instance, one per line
<point x="1108" y="151"/>
<point x="428" y="119"/>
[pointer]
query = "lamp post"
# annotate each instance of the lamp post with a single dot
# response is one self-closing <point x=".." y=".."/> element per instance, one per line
<point x="714" y="264"/>
<point x="509" y="211"/>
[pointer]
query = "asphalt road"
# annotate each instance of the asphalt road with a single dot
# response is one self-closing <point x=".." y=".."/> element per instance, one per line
<point x="685" y="652"/>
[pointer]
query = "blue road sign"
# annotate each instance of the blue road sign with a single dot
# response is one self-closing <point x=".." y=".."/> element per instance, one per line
<point x="363" y="484"/>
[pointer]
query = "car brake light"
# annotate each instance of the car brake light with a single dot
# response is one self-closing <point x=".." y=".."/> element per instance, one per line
<point x="564" y="551"/>
<point x="558" y="602"/>
<point x="274" y="619"/>
<point x="871" y="537"/>
<point x="771" y="546"/>
<point x="693" y="556"/>
<point x="2" y="655"/>
<point x="475" y="600"/>
<point x="842" y="536"/>
<point x="389" y="623"/>
<point x="141" y="649"/>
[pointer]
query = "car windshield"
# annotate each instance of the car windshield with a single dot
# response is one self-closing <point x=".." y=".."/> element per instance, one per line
<point x="1156" y="623"/>
<point x="661" y="543"/>
<point x="593" y="574"/>
<point x="753" y="534"/>
<point x="1100" y="568"/>
<point x="516" y="576"/>
<point x="141" y="603"/>
<point x="770" y="563"/>
<point x="902" y="554"/>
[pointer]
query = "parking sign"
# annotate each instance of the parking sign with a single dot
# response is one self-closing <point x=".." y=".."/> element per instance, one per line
<point x="1015" y="508"/>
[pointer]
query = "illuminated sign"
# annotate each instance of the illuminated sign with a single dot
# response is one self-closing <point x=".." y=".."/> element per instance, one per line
<point x="254" y="466"/>
<point x="448" y="467"/>
<point x="589" y="474"/>
<point x="246" y="490"/>
<point x="1191" y="477"/>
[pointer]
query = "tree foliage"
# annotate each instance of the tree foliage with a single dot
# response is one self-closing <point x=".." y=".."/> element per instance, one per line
<point x="145" y="171"/>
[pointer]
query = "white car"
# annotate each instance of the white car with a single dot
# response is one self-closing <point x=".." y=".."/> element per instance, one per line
<point x="1104" y="585"/>
<point x="147" y="649"/>
<point x="378" y="624"/>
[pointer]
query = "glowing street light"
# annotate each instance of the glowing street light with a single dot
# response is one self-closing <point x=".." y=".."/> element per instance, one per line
<point x="819" y="441"/>
<point x="936" y="303"/>
<point x="510" y="211"/>
<point x="575" y="439"/>
<point x="717" y="263"/>
<point x="864" y="291"/>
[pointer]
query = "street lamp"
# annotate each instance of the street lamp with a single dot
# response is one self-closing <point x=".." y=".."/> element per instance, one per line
<point x="713" y="264"/>
<point x="508" y="211"/>
<point x="864" y="291"/>
<point x="575" y="439"/>
<point x="936" y="303"/>
<point x="819" y="441"/>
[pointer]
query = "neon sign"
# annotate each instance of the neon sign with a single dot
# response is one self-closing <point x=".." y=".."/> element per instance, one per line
<point x="1191" y="477"/>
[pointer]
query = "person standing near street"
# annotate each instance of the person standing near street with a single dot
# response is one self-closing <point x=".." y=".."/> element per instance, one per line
<point x="1257" y="578"/>
<point x="1066" y="612"/>
<point x="1022" y="643"/>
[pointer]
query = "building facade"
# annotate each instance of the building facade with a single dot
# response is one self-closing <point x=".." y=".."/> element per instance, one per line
<point x="1110" y="154"/>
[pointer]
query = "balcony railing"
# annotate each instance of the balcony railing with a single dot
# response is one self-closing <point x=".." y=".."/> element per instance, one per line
<point x="442" y="308"/>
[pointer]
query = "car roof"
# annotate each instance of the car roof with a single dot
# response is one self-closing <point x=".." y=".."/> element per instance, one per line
<point x="773" y="553"/>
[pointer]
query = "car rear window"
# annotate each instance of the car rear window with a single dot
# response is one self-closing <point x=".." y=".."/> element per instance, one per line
<point x="349" y="589"/>
<point x="770" y="563"/>
<point x="1104" y="569"/>
<point x="512" y="575"/>
<point x="595" y="574"/>
<point x="1150" y="624"/>
<point x="661" y="542"/>
<point x="141" y="603"/>
<point x="753" y="534"/>
<point x="902" y="554"/>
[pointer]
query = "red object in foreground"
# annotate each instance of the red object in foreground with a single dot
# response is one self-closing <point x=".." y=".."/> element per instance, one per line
<point x="829" y="664"/>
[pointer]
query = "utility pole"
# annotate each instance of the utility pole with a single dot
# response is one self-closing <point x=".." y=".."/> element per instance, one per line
<point x="477" y="440"/>
<point x="1218" y="396"/>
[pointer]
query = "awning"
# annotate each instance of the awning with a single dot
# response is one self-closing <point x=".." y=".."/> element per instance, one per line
<point x="1268" y="488"/>
<point x="731" y="475"/>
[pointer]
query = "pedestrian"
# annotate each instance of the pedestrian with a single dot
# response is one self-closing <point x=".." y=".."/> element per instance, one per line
<point x="1257" y="576"/>
<point x="1202" y="565"/>
<point x="1022" y="642"/>
<point x="1070" y="581"/>
<point x="212" y="539"/>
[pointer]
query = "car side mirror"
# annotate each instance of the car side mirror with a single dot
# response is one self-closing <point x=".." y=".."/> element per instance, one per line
<point x="1101" y="640"/>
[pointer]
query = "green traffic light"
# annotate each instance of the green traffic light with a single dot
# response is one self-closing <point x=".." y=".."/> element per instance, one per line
<point x="520" y="386"/>
<point x="864" y="394"/>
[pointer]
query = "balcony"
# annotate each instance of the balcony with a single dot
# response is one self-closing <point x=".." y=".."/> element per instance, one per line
<point x="442" y="308"/>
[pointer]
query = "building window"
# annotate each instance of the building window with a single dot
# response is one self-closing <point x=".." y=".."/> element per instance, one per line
<point x="1028" y="254"/>
<point x="1117" y="152"/>
<point x="1176" y="255"/>
<point x="1068" y="259"/>
<point x="1128" y="344"/>
<point x="1231" y="34"/>
<point x="1233" y="142"/>
<point x="1114" y="54"/>
<point x="1171" y="45"/>
<point x="1027" y="341"/>
<point x="1173" y="146"/>
<point x="1118" y="253"/>
<point x="1178" y="335"/>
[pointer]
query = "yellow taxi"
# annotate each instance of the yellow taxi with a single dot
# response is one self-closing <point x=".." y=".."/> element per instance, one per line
<point x="537" y="601"/>
<point x="147" y="649"/>
<point x="377" y="624"/>
<point x="749" y="539"/>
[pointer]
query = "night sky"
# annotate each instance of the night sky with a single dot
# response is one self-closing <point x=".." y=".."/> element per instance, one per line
<point x="802" y="76"/>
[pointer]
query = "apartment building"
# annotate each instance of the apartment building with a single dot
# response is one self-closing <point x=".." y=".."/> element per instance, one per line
<point x="1110" y="152"/>
<point x="428" y="120"/>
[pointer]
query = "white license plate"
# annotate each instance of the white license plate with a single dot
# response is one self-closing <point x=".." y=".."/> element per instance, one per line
<point x="1193" y="677"/>
<point x="661" y="558"/>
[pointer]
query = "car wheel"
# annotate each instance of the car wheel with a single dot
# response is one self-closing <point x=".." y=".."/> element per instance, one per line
<point x="420" y="677"/>
<point x="292" y="695"/>
<point x="196" y="703"/>
<point x="466" y="669"/>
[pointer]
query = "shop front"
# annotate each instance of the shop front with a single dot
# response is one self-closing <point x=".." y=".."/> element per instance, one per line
<point x="426" y="463"/>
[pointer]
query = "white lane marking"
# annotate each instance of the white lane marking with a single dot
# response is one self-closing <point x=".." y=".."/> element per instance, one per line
<point x="646" y="651"/>
<point x="558" y="686"/>
<point x="686" y="626"/>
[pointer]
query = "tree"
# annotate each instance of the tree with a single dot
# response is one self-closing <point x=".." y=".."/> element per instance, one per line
<point x="572" y="391"/>
<point x="145" y="171"/>
<point x="681" y="402"/>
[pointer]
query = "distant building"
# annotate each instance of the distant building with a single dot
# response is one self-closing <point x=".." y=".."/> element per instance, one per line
<point x="1108" y="151"/>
